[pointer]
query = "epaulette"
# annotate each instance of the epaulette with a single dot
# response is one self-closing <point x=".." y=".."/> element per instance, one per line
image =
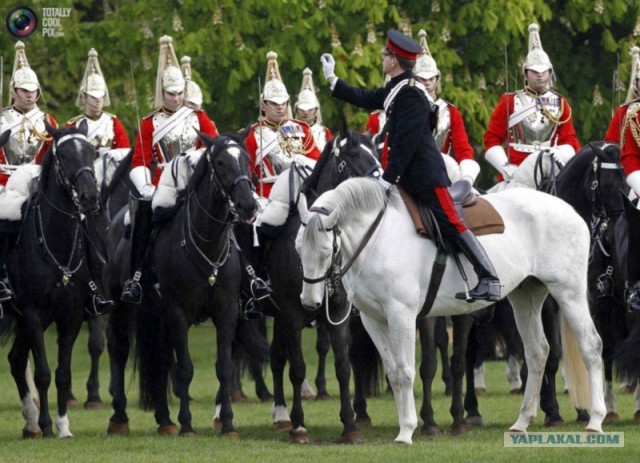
<point x="628" y="103"/>
<point x="73" y="120"/>
<point x="448" y="102"/>
<point x="113" y="116"/>
<point x="298" y="121"/>
<point x="150" y="114"/>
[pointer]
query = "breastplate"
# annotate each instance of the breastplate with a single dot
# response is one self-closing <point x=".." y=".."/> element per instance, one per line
<point x="24" y="144"/>
<point x="444" y="123"/>
<point x="101" y="133"/>
<point x="180" y="138"/>
<point x="319" y="135"/>
<point x="290" y="141"/>
<point x="537" y="127"/>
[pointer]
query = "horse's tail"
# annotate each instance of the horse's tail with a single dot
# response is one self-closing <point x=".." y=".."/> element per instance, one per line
<point x="577" y="375"/>
<point x="153" y="353"/>
<point x="627" y="356"/>
<point x="365" y="359"/>
<point x="250" y="343"/>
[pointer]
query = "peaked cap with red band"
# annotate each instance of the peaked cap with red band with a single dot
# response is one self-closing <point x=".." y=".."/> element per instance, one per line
<point x="403" y="45"/>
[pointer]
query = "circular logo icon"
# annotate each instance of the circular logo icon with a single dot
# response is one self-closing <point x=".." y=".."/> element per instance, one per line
<point x="21" y="21"/>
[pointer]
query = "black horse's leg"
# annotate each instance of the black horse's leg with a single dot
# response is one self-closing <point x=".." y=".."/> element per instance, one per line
<point x="442" y="344"/>
<point x="548" y="400"/>
<point x="323" y="342"/>
<point x="95" y="345"/>
<point x="118" y="347"/>
<point x="461" y="327"/>
<point x="281" y="419"/>
<point x="428" y="366"/>
<point x="297" y="374"/>
<point x="18" y="356"/>
<point x="225" y="328"/>
<point x="339" y="337"/>
<point x="364" y="362"/>
<point x="470" y="398"/>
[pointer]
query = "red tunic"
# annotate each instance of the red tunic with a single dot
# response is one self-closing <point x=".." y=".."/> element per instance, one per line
<point x="38" y="158"/>
<point x="630" y="149"/>
<point x="146" y="155"/>
<point x="302" y="141"/>
<point x="613" y="132"/>
<point x="496" y="134"/>
<point x="457" y="137"/>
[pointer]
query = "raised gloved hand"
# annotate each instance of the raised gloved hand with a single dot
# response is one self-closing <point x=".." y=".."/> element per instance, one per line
<point x="328" y="66"/>
<point x="147" y="191"/>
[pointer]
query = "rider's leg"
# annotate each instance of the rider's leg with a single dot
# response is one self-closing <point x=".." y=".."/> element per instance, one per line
<point x="140" y="236"/>
<point x="99" y="304"/>
<point x="633" y="258"/>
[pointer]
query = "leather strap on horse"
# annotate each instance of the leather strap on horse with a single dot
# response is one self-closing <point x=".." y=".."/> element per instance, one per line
<point x="437" y="272"/>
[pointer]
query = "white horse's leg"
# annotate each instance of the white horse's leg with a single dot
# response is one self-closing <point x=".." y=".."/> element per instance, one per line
<point x="574" y="307"/>
<point x="30" y="414"/>
<point x="62" y="423"/>
<point x="33" y="390"/>
<point x="513" y="375"/>
<point x="395" y="341"/>
<point x="527" y="308"/>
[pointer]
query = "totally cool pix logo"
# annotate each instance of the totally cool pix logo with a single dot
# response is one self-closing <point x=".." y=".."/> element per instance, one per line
<point x="21" y="21"/>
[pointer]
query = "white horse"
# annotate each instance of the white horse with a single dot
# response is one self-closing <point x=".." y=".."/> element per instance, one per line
<point x="544" y="249"/>
<point x="537" y="167"/>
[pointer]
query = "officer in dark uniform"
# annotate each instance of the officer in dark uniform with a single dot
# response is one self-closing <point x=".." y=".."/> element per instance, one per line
<point x="415" y="162"/>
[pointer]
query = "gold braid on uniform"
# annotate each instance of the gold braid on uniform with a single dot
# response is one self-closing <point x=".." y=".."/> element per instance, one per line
<point x="631" y="120"/>
<point x="39" y="135"/>
<point x="553" y="119"/>
<point x="287" y="144"/>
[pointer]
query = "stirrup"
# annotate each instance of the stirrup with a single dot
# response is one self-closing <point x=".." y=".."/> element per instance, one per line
<point x="252" y="310"/>
<point x="633" y="296"/>
<point x="260" y="289"/>
<point x="5" y="293"/>
<point x="132" y="291"/>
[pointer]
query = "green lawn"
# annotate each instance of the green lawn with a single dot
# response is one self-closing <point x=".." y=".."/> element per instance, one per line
<point x="258" y="441"/>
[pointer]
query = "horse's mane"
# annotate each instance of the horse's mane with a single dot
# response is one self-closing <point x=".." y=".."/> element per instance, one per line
<point x="119" y="173"/>
<point x="351" y="198"/>
<point x="311" y="183"/>
<point x="577" y="170"/>
<point x="47" y="159"/>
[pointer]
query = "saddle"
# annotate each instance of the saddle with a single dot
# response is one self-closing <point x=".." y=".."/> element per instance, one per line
<point x="477" y="214"/>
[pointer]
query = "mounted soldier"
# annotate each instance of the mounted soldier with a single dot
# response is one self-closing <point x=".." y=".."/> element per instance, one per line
<point x="28" y="142"/>
<point x="308" y="110"/>
<point x="193" y="95"/>
<point x="276" y="138"/>
<point x="630" y="159"/>
<point x="375" y="126"/>
<point x="614" y="133"/>
<point x="532" y="119"/>
<point x="164" y="134"/>
<point x="415" y="162"/>
<point x="105" y="129"/>
<point x="450" y="135"/>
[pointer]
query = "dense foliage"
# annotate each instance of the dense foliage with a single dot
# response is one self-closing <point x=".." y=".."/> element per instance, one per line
<point x="472" y="41"/>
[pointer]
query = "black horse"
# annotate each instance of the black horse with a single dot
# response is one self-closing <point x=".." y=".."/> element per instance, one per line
<point x="350" y="154"/>
<point x="48" y="271"/>
<point x="197" y="268"/>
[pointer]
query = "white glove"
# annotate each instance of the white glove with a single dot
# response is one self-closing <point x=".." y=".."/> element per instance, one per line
<point x="633" y="180"/>
<point x="328" y="66"/>
<point x="386" y="185"/>
<point x="508" y="171"/>
<point x="147" y="191"/>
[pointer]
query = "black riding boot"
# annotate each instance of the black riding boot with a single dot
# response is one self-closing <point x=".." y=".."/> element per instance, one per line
<point x="633" y="258"/>
<point x="140" y="236"/>
<point x="488" y="287"/>
<point x="5" y="293"/>
<point x="99" y="305"/>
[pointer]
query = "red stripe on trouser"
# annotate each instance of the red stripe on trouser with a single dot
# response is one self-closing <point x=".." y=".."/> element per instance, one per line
<point x="449" y="208"/>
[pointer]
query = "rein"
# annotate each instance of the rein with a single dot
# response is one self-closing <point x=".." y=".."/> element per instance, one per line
<point x="538" y="172"/>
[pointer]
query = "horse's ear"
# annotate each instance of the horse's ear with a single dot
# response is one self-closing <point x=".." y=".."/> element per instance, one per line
<point x="303" y="209"/>
<point x="51" y="130"/>
<point x="344" y="125"/>
<point x="4" y="138"/>
<point x="83" y="128"/>
<point x="206" y="138"/>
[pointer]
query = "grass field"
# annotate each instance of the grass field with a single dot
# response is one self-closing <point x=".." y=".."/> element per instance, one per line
<point x="258" y="441"/>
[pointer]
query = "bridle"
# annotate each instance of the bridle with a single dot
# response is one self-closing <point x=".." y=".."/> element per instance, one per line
<point x="538" y="172"/>
<point x="189" y="230"/>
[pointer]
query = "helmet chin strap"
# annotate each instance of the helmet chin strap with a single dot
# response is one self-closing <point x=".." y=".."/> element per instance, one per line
<point x="92" y="109"/>
<point x="22" y="104"/>
<point x="172" y="106"/>
<point x="274" y="115"/>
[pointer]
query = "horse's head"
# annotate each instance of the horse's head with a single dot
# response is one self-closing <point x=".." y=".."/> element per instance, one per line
<point x="606" y="179"/>
<point x="4" y="137"/>
<point x="350" y="154"/>
<point x="537" y="170"/>
<point x="71" y="157"/>
<point x="229" y="164"/>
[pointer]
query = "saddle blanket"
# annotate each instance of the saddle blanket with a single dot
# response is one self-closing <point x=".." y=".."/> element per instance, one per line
<point x="21" y="184"/>
<point x="479" y="216"/>
<point x="175" y="178"/>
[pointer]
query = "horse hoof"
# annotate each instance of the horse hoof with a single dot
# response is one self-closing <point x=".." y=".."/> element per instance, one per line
<point x="480" y="391"/>
<point x="72" y="403"/>
<point x="636" y="416"/>
<point x="364" y="422"/>
<point x="611" y="417"/>
<point x="626" y="389"/>
<point x="93" y="405"/>
<point x="217" y="423"/>
<point x="593" y="431"/>
<point x="282" y="426"/>
<point x="430" y="430"/>
<point x="324" y="396"/>
<point x="458" y="429"/>
<point x="26" y="434"/>
<point x="238" y="397"/>
<point x="474" y="421"/>
<point x="299" y="437"/>
<point x="517" y="391"/>
<point x="307" y="396"/>
<point x="188" y="434"/>
<point x="232" y="435"/>
<point x="266" y="399"/>
<point x="167" y="430"/>
<point x="117" y="429"/>
<point x="516" y="432"/>
<point x="353" y="437"/>
<point x="555" y="423"/>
